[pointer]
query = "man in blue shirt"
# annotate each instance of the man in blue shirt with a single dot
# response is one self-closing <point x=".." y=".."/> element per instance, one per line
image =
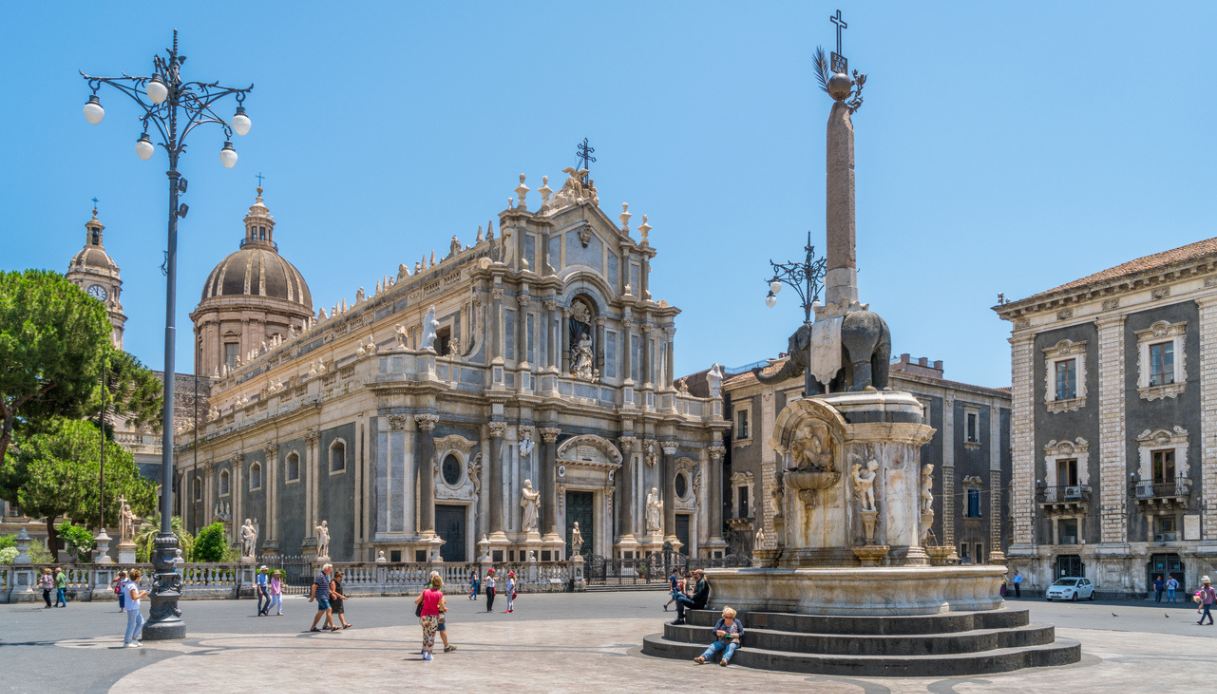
<point x="321" y="593"/>
<point x="263" y="580"/>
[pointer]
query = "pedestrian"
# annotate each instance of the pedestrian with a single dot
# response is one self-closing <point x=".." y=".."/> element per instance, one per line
<point x="1159" y="586"/>
<point x="135" y="618"/>
<point x="1018" y="584"/>
<point x="430" y="604"/>
<point x="443" y="621"/>
<point x="263" y="586"/>
<point x="728" y="632"/>
<point x="1206" y="597"/>
<point x="673" y="587"/>
<point x="276" y="591"/>
<point x="119" y="580"/>
<point x="47" y="583"/>
<point x="490" y="589"/>
<point x="61" y="587"/>
<point x="474" y="584"/>
<point x="697" y="600"/>
<point x="338" y="600"/>
<point x="511" y="592"/>
<point x="1172" y="585"/>
<point x="320" y="591"/>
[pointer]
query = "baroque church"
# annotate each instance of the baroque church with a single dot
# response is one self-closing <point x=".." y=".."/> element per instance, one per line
<point x="515" y="396"/>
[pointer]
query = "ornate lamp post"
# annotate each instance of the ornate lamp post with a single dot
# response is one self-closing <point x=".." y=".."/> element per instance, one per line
<point x="807" y="278"/>
<point x="174" y="108"/>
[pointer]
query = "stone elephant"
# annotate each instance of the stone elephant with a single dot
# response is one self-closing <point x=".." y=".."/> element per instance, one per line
<point x="866" y="350"/>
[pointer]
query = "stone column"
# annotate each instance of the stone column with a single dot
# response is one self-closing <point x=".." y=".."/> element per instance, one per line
<point x="522" y="336"/>
<point x="714" y="500"/>
<point x="424" y="461"/>
<point x="1022" y="441"/>
<point x="996" y="485"/>
<point x="551" y="351"/>
<point x="549" y="472"/>
<point x="670" y="373"/>
<point x="235" y="493"/>
<point x="841" y="279"/>
<point x="496" y="476"/>
<point x="600" y="345"/>
<point x="1112" y="492"/>
<point x="312" y="438"/>
<point x="625" y="515"/>
<point x="564" y="338"/>
<point x="667" y="469"/>
<point x="1208" y="420"/>
<point x="647" y="378"/>
<point x="628" y="353"/>
<point x="270" y="476"/>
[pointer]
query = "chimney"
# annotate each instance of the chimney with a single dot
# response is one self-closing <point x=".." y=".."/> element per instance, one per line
<point x="923" y="361"/>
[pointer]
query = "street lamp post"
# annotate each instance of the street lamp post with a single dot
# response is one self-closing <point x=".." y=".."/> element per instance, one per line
<point x="807" y="278"/>
<point x="174" y="108"/>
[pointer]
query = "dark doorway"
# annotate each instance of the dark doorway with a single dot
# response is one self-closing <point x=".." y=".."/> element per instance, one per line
<point x="580" y="507"/>
<point x="450" y="524"/>
<point x="682" y="532"/>
<point x="1069" y="565"/>
<point x="1165" y="565"/>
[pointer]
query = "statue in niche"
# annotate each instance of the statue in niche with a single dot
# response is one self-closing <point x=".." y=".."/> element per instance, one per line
<point x="323" y="539"/>
<point x="927" y="488"/>
<point x="530" y="501"/>
<point x="249" y="538"/>
<point x="576" y="540"/>
<point x="526" y="444"/>
<point x="654" y="511"/>
<point x="584" y="359"/>
<point x="582" y="341"/>
<point x="811" y="449"/>
<point x="864" y="483"/>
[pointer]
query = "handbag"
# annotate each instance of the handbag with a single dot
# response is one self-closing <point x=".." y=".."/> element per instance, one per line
<point x="418" y="610"/>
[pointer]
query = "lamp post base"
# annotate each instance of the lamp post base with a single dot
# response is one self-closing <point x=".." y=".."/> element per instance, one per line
<point x="165" y="618"/>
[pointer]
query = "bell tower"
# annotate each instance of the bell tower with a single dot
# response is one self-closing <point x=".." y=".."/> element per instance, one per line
<point x="94" y="271"/>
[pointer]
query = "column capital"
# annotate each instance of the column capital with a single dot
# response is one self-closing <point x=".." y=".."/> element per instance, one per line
<point x="628" y="443"/>
<point x="496" y="293"/>
<point x="668" y="447"/>
<point x="550" y="434"/>
<point x="312" y="436"/>
<point x="238" y="458"/>
<point x="270" y="450"/>
<point x="497" y="429"/>
<point x="426" y="422"/>
<point x="549" y="304"/>
<point x="397" y="422"/>
<point x="717" y="451"/>
<point x="523" y="300"/>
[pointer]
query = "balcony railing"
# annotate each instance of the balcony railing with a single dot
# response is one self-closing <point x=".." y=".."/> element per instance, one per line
<point x="1065" y="493"/>
<point x="1149" y="489"/>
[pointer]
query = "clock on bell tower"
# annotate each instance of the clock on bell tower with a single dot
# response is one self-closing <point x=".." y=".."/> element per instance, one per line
<point x="93" y="270"/>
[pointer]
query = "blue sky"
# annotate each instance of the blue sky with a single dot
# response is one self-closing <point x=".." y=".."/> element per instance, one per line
<point x="1002" y="147"/>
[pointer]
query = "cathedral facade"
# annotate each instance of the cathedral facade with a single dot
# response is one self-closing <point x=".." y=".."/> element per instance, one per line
<point x="489" y="401"/>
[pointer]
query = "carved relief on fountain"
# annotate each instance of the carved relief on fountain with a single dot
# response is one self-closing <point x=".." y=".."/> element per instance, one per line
<point x="809" y="437"/>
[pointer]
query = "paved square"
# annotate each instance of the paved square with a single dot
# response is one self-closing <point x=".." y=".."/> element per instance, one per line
<point x="552" y="643"/>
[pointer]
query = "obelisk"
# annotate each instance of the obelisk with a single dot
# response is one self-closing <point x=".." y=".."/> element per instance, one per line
<point x="841" y="278"/>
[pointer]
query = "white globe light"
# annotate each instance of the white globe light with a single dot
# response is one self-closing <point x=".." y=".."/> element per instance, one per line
<point x="771" y="301"/>
<point x="775" y="286"/>
<point x="143" y="147"/>
<point x="93" y="110"/>
<point x="228" y="156"/>
<point x="241" y="122"/>
<point x="157" y="91"/>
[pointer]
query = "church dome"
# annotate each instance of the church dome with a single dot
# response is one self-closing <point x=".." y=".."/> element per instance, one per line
<point x="257" y="269"/>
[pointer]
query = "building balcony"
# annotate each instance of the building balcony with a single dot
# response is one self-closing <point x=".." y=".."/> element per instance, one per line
<point x="1174" y="492"/>
<point x="1072" y="497"/>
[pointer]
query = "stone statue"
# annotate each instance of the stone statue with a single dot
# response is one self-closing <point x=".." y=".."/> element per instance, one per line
<point x="249" y="539"/>
<point x="576" y="540"/>
<point x="654" y="511"/>
<point x="714" y="379"/>
<point x="864" y="484"/>
<point x="683" y="386"/>
<point x="126" y="521"/>
<point x="759" y="541"/>
<point x="530" y="501"/>
<point x="430" y="330"/>
<point x="583" y="366"/>
<point x="811" y="450"/>
<point x="402" y="335"/>
<point x="360" y="295"/>
<point x="380" y="557"/>
<point x="927" y="488"/>
<point x="323" y="539"/>
<point x="526" y="445"/>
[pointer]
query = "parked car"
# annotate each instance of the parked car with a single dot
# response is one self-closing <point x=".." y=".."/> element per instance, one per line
<point x="1070" y="588"/>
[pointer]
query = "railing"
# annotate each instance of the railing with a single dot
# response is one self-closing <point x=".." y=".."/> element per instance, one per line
<point x="1149" y="489"/>
<point x="1064" y="493"/>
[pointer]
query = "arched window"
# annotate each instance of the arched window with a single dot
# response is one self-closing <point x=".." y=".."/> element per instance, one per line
<point x="291" y="467"/>
<point x="451" y="470"/>
<point x="255" y="477"/>
<point x="338" y="456"/>
<point x="225" y="484"/>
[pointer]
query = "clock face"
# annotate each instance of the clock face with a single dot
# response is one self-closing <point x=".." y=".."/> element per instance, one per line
<point x="97" y="292"/>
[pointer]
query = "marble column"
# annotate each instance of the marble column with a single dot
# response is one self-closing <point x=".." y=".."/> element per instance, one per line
<point x="549" y="474"/>
<point x="522" y="336"/>
<point x="670" y="371"/>
<point x="714" y="501"/>
<point x="496" y="318"/>
<point x="235" y="493"/>
<point x="625" y="516"/>
<point x="497" y="430"/>
<point x="551" y="351"/>
<point x="600" y="345"/>
<point x="270" y="476"/>
<point x="628" y="349"/>
<point x="646" y="354"/>
<point x="311" y="470"/>
<point x="424" y="462"/>
<point x="564" y="337"/>
<point x="667" y="469"/>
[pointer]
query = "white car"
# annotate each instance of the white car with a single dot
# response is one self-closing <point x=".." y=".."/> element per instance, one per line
<point x="1070" y="588"/>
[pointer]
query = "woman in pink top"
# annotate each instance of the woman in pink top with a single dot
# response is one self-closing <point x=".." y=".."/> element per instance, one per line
<point x="276" y="592"/>
<point x="431" y="602"/>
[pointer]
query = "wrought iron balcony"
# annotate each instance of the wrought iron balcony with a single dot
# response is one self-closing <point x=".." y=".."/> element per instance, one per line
<point x="1066" y="493"/>
<point x="1178" y="488"/>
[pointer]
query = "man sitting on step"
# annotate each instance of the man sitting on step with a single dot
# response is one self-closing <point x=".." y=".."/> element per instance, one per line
<point x="698" y="600"/>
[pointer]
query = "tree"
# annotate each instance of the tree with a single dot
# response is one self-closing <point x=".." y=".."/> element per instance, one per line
<point x="145" y="538"/>
<point x="131" y="390"/>
<point x="211" y="545"/>
<point x="52" y="339"/>
<point x="55" y="471"/>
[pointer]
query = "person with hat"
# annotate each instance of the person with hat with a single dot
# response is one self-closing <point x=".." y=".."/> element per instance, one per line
<point x="511" y="592"/>
<point x="276" y="592"/>
<point x="1206" y="597"/>
<point x="263" y="585"/>
<point x="490" y="589"/>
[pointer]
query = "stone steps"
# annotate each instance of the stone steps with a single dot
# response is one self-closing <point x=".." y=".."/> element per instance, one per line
<point x="625" y="587"/>
<point x="1060" y="652"/>
<point x="950" y="622"/>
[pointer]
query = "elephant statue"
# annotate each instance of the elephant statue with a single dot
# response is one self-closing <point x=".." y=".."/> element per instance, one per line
<point x="866" y="350"/>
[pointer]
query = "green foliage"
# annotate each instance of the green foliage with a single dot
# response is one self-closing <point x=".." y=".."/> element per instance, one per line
<point x="52" y="339"/>
<point x="211" y="545"/>
<point x="7" y="555"/>
<point x="145" y="538"/>
<point x="7" y="541"/>
<point x="131" y="389"/>
<point x="78" y="538"/>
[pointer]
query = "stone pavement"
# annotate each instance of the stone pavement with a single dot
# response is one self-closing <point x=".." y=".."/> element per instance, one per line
<point x="553" y="643"/>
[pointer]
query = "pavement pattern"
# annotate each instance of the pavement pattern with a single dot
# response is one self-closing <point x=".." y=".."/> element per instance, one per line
<point x="551" y="643"/>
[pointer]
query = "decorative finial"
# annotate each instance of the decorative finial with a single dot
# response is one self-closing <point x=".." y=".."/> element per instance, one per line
<point x="480" y="237"/>
<point x="490" y="230"/>
<point x="522" y="194"/>
<point x="645" y="230"/>
<point x="95" y="207"/>
<point x="625" y="218"/>
<point x="833" y="74"/>
<point x="545" y="191"/>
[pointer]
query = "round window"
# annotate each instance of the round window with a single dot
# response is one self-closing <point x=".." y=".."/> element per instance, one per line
<point x="682" y="485"/>
<point x="452" y="470"/>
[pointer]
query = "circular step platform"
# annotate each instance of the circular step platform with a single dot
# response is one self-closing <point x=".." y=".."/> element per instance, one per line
<point x="955" y="643"/>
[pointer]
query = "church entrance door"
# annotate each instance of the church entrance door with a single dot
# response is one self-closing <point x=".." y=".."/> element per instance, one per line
<point x="682" y="532"/>
<point x="580" y="507"/>
<point x="450" y="524"/>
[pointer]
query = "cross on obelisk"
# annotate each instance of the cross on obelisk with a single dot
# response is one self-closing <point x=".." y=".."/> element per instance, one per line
<point x="840" y="64"/>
